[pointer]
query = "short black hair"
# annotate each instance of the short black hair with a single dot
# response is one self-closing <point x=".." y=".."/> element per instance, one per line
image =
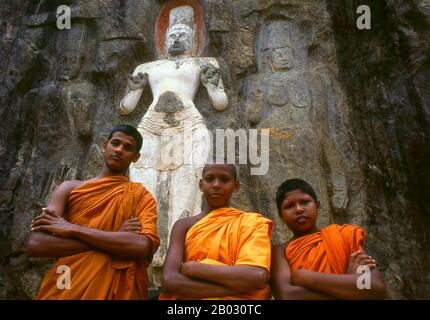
<point x="232" y="166"/>
<point x="290" y="185"/>
<point x="130" y="131"/>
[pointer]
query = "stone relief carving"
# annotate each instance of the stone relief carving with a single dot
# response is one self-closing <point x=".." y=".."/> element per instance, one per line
<point x="279" y="80"/>
<point x="279" y="97"/>
<point x="70" y="98"/>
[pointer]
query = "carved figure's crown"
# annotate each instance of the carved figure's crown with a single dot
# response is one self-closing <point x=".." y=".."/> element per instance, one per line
<point x="182" y="15"/>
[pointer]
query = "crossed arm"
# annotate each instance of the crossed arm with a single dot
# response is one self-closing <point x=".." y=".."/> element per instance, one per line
<point x="195" y="280"/>
<point x="309" y="285"/>
<point x="281" y="284"/>
<point x="52" y="236"/>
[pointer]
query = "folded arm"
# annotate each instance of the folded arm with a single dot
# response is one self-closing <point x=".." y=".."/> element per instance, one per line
<point x="241" y="279"/>
<point x="121" y="243"/>
<point x="341" y="286"/>
<point x="175" y="282"/>
<point x="280" y="280"/>
<point x="346" y="286"/>
<point x="42" y="244"/>
<point x="53" y="236"/>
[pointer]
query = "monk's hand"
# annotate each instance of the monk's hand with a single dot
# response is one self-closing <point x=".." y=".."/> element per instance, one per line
<point x="357" y="259"/>
<point x="45" y="214"/>
<point x="210" y="75"/>
<point x="131" y="225"/>
<point x="50" y="222"/>
<point x="137" y="81"/>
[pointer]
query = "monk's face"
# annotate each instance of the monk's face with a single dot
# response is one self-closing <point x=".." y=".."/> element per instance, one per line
<point x="120" y="151"/>
<point x="218" y="184"/>
<point x="300" y="211"/>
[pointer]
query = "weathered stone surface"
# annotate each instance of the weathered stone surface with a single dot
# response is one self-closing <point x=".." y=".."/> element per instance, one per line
<point x="384" y="71"/>
<point x="347" y="110"/>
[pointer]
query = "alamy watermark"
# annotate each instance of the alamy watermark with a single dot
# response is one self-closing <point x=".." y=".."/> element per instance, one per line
<point x="64" y="280"/>
<point x="365" y="278"/>
<point x="196" y="148"/>
<point x="364" y="20"/>
<point x="64" y="18"/>
<point x="248" y="147"/>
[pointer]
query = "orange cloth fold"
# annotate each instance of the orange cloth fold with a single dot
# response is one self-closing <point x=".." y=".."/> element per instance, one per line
<point x="326" y="251"/>
<point x="105" y="204"/>
<point x="230" y="237"/>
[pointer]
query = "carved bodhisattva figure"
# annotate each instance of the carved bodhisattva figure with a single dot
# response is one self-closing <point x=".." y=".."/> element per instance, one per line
<point x="176" y="140"/>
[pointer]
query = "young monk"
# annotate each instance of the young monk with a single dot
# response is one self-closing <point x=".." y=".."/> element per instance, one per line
<point x="220" y="254"/>
<point x="102" y="229"/>
<point x="318" y="264"/>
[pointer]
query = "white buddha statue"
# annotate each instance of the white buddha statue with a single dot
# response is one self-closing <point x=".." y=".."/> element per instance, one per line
<point x="176" y="140"/>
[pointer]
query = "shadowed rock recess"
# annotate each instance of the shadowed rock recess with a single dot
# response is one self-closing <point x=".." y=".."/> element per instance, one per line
<point x="347" y="110"/>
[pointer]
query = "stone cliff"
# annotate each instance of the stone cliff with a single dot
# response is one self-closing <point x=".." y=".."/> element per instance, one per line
<point x="347" y="110"/>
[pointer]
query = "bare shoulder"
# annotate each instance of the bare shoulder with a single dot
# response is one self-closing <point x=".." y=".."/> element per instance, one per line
<point x="59" y="197"/>
<point x="69" y="185"/>
<point x="185" y="224"/>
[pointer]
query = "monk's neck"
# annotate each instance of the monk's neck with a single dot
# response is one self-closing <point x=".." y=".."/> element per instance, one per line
<point x="210" y="209"/>
<point x="307" y="233"/>
<point x="106" y="172"/>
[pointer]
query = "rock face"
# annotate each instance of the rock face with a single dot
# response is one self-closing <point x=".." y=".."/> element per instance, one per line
<point x="347" y="110"/>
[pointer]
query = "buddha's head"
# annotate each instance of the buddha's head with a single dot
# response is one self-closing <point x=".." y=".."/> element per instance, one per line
<point x="282" y="59"/>
<point x="69" y="64"/>
<point x="180" y="33"/>
<point x="179" y="40"/>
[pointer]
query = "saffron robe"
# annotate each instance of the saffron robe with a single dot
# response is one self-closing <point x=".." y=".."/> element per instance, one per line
<point x="230" y="237"/>
<point x="326" y="251"/>
<point x="105" y="204"/>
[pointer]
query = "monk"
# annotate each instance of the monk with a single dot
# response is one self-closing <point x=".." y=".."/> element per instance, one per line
<point x="319" y="264"/>
<point x="102" y="231"/>
<point x="223" y="253"/>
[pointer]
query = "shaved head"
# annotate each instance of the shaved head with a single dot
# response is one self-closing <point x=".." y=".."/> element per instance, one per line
<point x="230" y="167"/>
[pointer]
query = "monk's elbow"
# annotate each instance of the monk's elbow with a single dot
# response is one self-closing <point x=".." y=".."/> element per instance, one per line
<point x="261" y="279"/>
<point x="168" y="283"/>
<point x="33" y="245"/>
<point x="31" y="252"/>
<point x="285" y="296"/>
<point x="255" y="280"/>
<point x="379" y="291"/>
<point x="287" y="292"/>
<point x="145" y="248"/>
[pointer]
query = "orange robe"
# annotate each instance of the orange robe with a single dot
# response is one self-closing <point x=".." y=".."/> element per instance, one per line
<point x="230" y="237"/>
<point x="326" y="251"/>
<point x="105" y="204"/>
